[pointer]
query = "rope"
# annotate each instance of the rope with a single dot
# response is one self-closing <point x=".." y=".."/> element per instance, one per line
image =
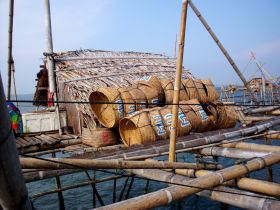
<point x="132" y="103"/>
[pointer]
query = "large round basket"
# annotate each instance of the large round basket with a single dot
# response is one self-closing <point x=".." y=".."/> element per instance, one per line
<point x="158" y="124"/>
<point x="227" y="116"/>
<point x="202" y="117"/>
<point x="153" y="82"/>
<point x="137" y="129"/>
<point x="168" y="88"/>
<point x="211" y="92"/>
<point x="138" y="96"/>
<point x="152" y="95"/>
<point x="107" y="114"/>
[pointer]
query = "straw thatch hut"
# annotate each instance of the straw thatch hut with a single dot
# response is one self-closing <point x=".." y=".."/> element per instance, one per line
<point x="256" y="84"/>
<point x="78" y="73"/>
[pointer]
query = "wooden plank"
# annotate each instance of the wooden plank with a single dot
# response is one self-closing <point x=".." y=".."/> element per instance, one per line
<point x="62" y="137"/>
<point x="44" y="140"/>
<point x="22" y="142"/>
<point x="29" y="139"/>
<point x="51" y="139"/>
<point x="38" y="141"/>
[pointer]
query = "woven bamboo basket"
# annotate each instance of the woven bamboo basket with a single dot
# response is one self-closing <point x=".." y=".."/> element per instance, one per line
<point x="107" y="114"/>
<point x="227" y="116"/>
<point x="211" y="92"/>
<point x="152" y="95"/>
<point x="190" y="115"/>
<point x="183" y="125"/>
<point x="168" y="88"/>
<point x="99" y="137"/>
<point x="139" y="97"/>
<point x="195" y="89"/>
<point x="158" y="124"/>
<point x="153" y="82"/>
<point x="126" y="97"/>
<point x="137" y="129"/>
<point x="202" y="118"/>
<point x="212" y="115"/>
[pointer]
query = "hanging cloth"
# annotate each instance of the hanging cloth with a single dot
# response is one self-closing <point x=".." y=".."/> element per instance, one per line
<point x="16" y="119"/>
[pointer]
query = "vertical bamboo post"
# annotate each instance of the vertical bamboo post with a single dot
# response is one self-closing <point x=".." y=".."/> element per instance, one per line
<point x="177" y="85"/>
<point x="13" y="193"/>
<point x="59" y="193"/>
<point x="10" y="47"/>
<point x="50" y="61"/>
<point x="224" y="51"/>
<point x="14" y="82"/>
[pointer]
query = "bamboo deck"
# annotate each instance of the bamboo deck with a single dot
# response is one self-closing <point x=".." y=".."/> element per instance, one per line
<point x="39" y="142"/>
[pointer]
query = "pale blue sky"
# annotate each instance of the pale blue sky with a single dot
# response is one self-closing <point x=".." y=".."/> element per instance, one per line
<point x="146" y="26"/>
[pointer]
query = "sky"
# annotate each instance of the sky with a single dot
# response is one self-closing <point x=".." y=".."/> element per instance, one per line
<point x="145" y="26"/>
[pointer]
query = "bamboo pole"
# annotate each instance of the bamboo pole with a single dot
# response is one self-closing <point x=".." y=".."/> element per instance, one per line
<point x="275" y="112"/>
<point x="13" y="193"/>
<point x="63" y="163"/>
<point x="173" y="193"/>
<point x="224" y="51"/>
<point x="272" y="135"/>
<point x="240" y="198"/>
<point x="261" y="109"/>
<point x="50" y="61"/>
<point x="14" y="82"/>
<point x="253" y="147"/>
<point x="10" y="47"/>
<point x="232" y="153"/>
<point x="254" y="185"/>
<point x="177" y="85"/>
<point x="264" y="187"/>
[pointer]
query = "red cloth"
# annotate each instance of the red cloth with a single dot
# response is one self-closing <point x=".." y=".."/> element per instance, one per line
<point x="50" y="99"/>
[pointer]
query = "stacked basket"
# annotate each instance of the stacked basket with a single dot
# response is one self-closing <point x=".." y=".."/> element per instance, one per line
<point x="139" y="112"/>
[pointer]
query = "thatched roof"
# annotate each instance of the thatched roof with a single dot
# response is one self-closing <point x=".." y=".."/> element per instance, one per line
<point x="81" y="72"/>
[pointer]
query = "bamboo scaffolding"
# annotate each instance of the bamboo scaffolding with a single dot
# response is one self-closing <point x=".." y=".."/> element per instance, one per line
<point x="232" y="153"/>
<point x="177" y="86"/>
<point x="63" y="163"/>
<point x="239" y="198"/>
<point x="186" y="143"/>
<point x="173" y="193"/>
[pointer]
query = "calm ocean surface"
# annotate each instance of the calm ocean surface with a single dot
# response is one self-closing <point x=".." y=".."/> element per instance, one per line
<point x="81" y="198"/>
